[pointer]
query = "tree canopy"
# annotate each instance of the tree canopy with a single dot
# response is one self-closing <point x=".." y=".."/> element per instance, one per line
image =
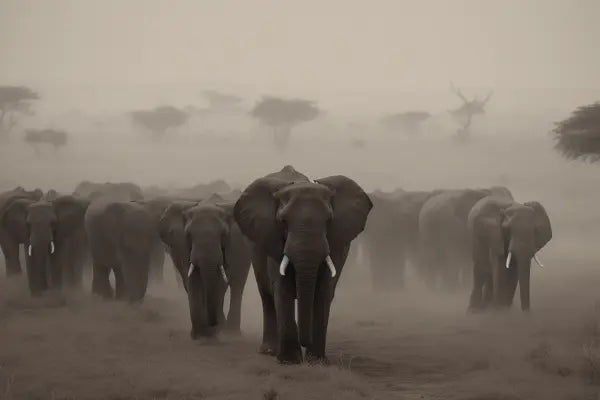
<point x="275" y="111"/>
<point x="159" y="119"/>
<point x="54" y="137"/>
<point x="578" y="136"/>
<point x="14" y="100"/>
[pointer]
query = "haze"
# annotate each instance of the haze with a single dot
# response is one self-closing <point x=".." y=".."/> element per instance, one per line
<point x="333" y="51"/>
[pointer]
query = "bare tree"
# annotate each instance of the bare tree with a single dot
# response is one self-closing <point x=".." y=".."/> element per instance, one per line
<point x="53" y="137"/>
<point x="409" y="122"/>
<point x="14" y="100"/>
<point x="465" y="113"/>
<point x="160" y="119"/>
<point x="281" y="115"/>
<point x="578" y="136"/>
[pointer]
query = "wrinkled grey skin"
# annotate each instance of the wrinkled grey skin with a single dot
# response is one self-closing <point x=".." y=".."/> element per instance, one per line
<point x="285" y="213"/>
<point x="390" y="238"/>
<point x="498" y="226"/>
<point x="9" y="243"/>
<point x="444" y="242"/>
<point x="45" y="227"/>
<point x="205" y="235"/>
<point x="123" y="236"/>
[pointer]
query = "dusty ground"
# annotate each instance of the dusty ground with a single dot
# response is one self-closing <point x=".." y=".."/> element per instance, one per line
<point x="410" y="345"/>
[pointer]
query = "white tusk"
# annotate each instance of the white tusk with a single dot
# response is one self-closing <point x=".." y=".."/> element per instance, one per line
<point x="331" y="266"/>
<point x="537" y="261"/>
<point x="224" y="275"/>
<point x="190" y="270"/>
<point x="508" y="260"/>
<point x="284" y="263"/>
<point x="52" y="247"/>
<point x="29" y="250"/>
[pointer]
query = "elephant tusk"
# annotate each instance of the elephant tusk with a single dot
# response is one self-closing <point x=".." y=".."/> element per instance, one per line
<point x="190" y="270"/>
<point x="331" y="266"/>
<point x="508" y="260"/>
<point x="537" y="261"/>
<point x="284" y="263"/>
<point x="29" y="250"/>
<point x="224" y="275"/>
<point x="52" y="247"/>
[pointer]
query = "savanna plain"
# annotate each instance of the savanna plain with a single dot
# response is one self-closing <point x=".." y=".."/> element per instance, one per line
<point x="408" y="344"/>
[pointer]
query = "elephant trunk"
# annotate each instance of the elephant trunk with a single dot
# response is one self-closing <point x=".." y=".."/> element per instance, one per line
<point x="306" y="279"/>
<point x="524" y="266"/>
<point x="210" y="284"/>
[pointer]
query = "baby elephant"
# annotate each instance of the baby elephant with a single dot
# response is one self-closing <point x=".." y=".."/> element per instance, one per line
<point x="506" y="236"/>
<point x="210" y="252"/>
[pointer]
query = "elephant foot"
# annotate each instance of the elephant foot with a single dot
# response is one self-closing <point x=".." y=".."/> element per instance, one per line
<point x="267" y="350"/>
<point x="290" y="357"/>
<point x="474" y="310"/>
<point x="314" y="359"/>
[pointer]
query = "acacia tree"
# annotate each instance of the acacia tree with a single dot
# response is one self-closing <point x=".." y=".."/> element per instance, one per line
<point x="465" y="113"/>
<point x="409" y="121"/>
<point x="53" y="137"/>
<point x="578" y="136"/>
<point x="14" y="101"/>
<point x="281" y="115"/>
<point x="159" y="119"/>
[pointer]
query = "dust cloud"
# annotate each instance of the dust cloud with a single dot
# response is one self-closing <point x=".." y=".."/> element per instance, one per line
<point x="411" y="344"/>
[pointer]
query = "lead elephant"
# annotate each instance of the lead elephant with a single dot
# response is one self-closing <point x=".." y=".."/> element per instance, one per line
<point x="210" y="253"/>
<point x="123" y="236"/>
<point x="45" y="227"/>
<point x="390" y="239"/>
<point x="444" y="242"/>
<point x="506" y="235"/>
<point x="301" y="232"/>
<point x="8" y="242"/>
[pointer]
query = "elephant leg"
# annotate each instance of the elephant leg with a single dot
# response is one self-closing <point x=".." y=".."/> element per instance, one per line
<point x="157" y="261"/>
<point x="120" y="284"/>
<point x="234" y="316"/>
<point x="269" y="337"/>
<point x="480" y="277"/>
<point x="11" y="257"/>
<point x="101" y="282"/>
<point x="135" y="268"/>
<point x="289" y="351"/>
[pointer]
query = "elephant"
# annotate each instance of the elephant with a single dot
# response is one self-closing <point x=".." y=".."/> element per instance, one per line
<point x="506" y="235"/>
<point x="123" y="237"/>
<point x="210" y="253"/>
<point x="390" y="238"/>
<point x="8" y="242"/>
<point x="301" y="231"/>
<point x="125" y="191"/>
<point x="444" y="244"/>
<point x="45" y="227"/>
<point x="116" y="191"/>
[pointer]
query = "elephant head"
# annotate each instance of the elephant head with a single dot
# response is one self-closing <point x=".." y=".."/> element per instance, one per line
<point x="202" y="239"/>
<point x="515" y="233"/>
<point x="306" y="227"/>
<point x="43" y="226"/>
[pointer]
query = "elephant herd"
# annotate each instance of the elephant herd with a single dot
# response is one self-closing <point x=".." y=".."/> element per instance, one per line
<point x="453" y="239"/>
<point x="295" y="232"/>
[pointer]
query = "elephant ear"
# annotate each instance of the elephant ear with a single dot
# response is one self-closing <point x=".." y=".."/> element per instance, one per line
<point x="14" y="219"/>
<point x="171" y="225"/>
<point x="70" y="212"/>
<point x="543" y="228"/>
<point x="351" y="207"/>
<point x="255" y="213"/>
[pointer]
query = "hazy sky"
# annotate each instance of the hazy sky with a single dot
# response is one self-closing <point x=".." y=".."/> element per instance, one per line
<point x="287" y="45"/>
